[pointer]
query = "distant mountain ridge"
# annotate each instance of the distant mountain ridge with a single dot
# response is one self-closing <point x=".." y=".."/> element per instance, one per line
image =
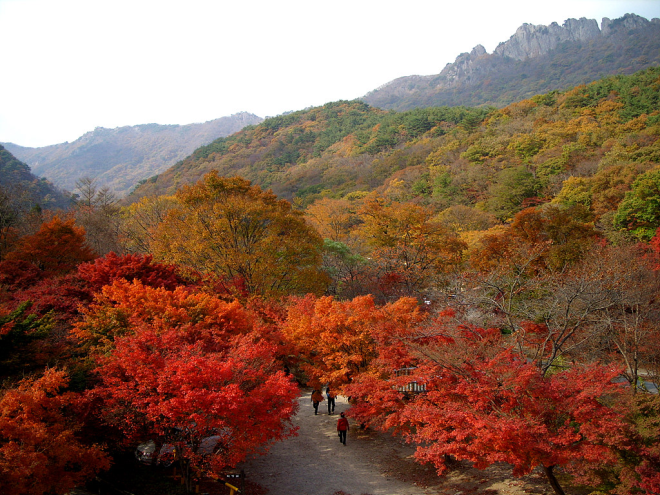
<point x="537" y="59"/>
<point x="122" y="157"/>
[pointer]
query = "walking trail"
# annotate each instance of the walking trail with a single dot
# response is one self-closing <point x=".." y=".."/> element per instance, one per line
<point x="316" y="463"/>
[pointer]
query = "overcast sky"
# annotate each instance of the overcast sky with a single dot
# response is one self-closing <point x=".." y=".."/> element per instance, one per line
<point x="69" y="66"/>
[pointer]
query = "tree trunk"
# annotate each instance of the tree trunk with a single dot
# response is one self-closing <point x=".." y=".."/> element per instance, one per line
<point x="553" y="480"/>
<point x="184" y="465"/>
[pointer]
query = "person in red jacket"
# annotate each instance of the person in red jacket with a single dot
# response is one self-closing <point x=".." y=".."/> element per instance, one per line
<point x="342" y="428"/>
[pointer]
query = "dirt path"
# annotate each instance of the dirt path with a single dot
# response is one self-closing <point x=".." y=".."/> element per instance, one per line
<point x="316" y="463"/>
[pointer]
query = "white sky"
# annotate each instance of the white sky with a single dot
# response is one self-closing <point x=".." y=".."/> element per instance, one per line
<point x="68" y="66"/>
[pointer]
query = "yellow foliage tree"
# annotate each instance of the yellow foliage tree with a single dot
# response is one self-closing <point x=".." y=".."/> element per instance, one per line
<point x="333" y="218"/>
<point x="230" y="228"/>
<point x="409" y="249"/>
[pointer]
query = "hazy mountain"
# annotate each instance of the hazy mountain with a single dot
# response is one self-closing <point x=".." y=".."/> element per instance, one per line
<point x="535" y="60"/>
<point x="120" y="158"/>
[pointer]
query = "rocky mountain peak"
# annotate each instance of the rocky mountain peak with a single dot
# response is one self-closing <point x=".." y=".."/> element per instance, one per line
<point x="464" y="65"/>
<point x="534" y="60"/>
<point x="531" y="40"/>
<point x="628" y="21"/>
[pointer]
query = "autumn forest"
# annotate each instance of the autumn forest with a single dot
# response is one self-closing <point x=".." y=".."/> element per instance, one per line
<point x="504" y="260"/>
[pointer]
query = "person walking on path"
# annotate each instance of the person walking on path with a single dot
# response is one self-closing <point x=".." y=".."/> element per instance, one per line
<point x="317" y="398"/>
<point x="342" y="428"/>
<point x="331" y="400"/>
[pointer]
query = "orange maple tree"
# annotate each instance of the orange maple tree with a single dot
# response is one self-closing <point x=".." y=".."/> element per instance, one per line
<point x="337" y="340"/>
<point x="57" y="248"/>
<point x="123" y="305"/>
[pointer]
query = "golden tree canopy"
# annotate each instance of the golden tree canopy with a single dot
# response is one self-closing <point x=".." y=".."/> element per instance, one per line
<point x="241" y="233"/>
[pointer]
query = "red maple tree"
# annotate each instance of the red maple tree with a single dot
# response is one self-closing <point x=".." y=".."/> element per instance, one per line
<point x="484" y="403"/>
<point x="180" y="368"/>
<point x="39" y="449"/>
<point x="104" y="271"/>
<point x="164" y="386"/>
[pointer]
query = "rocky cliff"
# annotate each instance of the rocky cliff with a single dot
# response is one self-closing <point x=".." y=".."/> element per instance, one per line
<point x="536" y="59"/>
<point x="532" y="41"/>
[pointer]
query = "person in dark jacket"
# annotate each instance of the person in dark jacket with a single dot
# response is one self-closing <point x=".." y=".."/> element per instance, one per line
<point x="342" y="428"/>
<point x="331" y="400"/>
<point x="317" y="397"/>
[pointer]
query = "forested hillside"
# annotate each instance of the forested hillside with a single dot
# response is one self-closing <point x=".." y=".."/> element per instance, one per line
<point x="586" y="145"/>
<point x="536" y="60"/>
<point x="25" y="189"/>
<point x="302" y="153"/>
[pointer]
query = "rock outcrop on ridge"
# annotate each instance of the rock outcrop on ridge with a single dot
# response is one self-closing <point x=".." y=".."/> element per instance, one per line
<point x="536" y="59"/>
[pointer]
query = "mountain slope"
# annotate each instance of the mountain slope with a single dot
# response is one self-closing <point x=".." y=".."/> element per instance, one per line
<point x="585" y="146"/>
<point x="535" y="60"/>
<point x="119" y="158"/>
<point x="305" y="152"/>
<point x="24" y="188"/>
